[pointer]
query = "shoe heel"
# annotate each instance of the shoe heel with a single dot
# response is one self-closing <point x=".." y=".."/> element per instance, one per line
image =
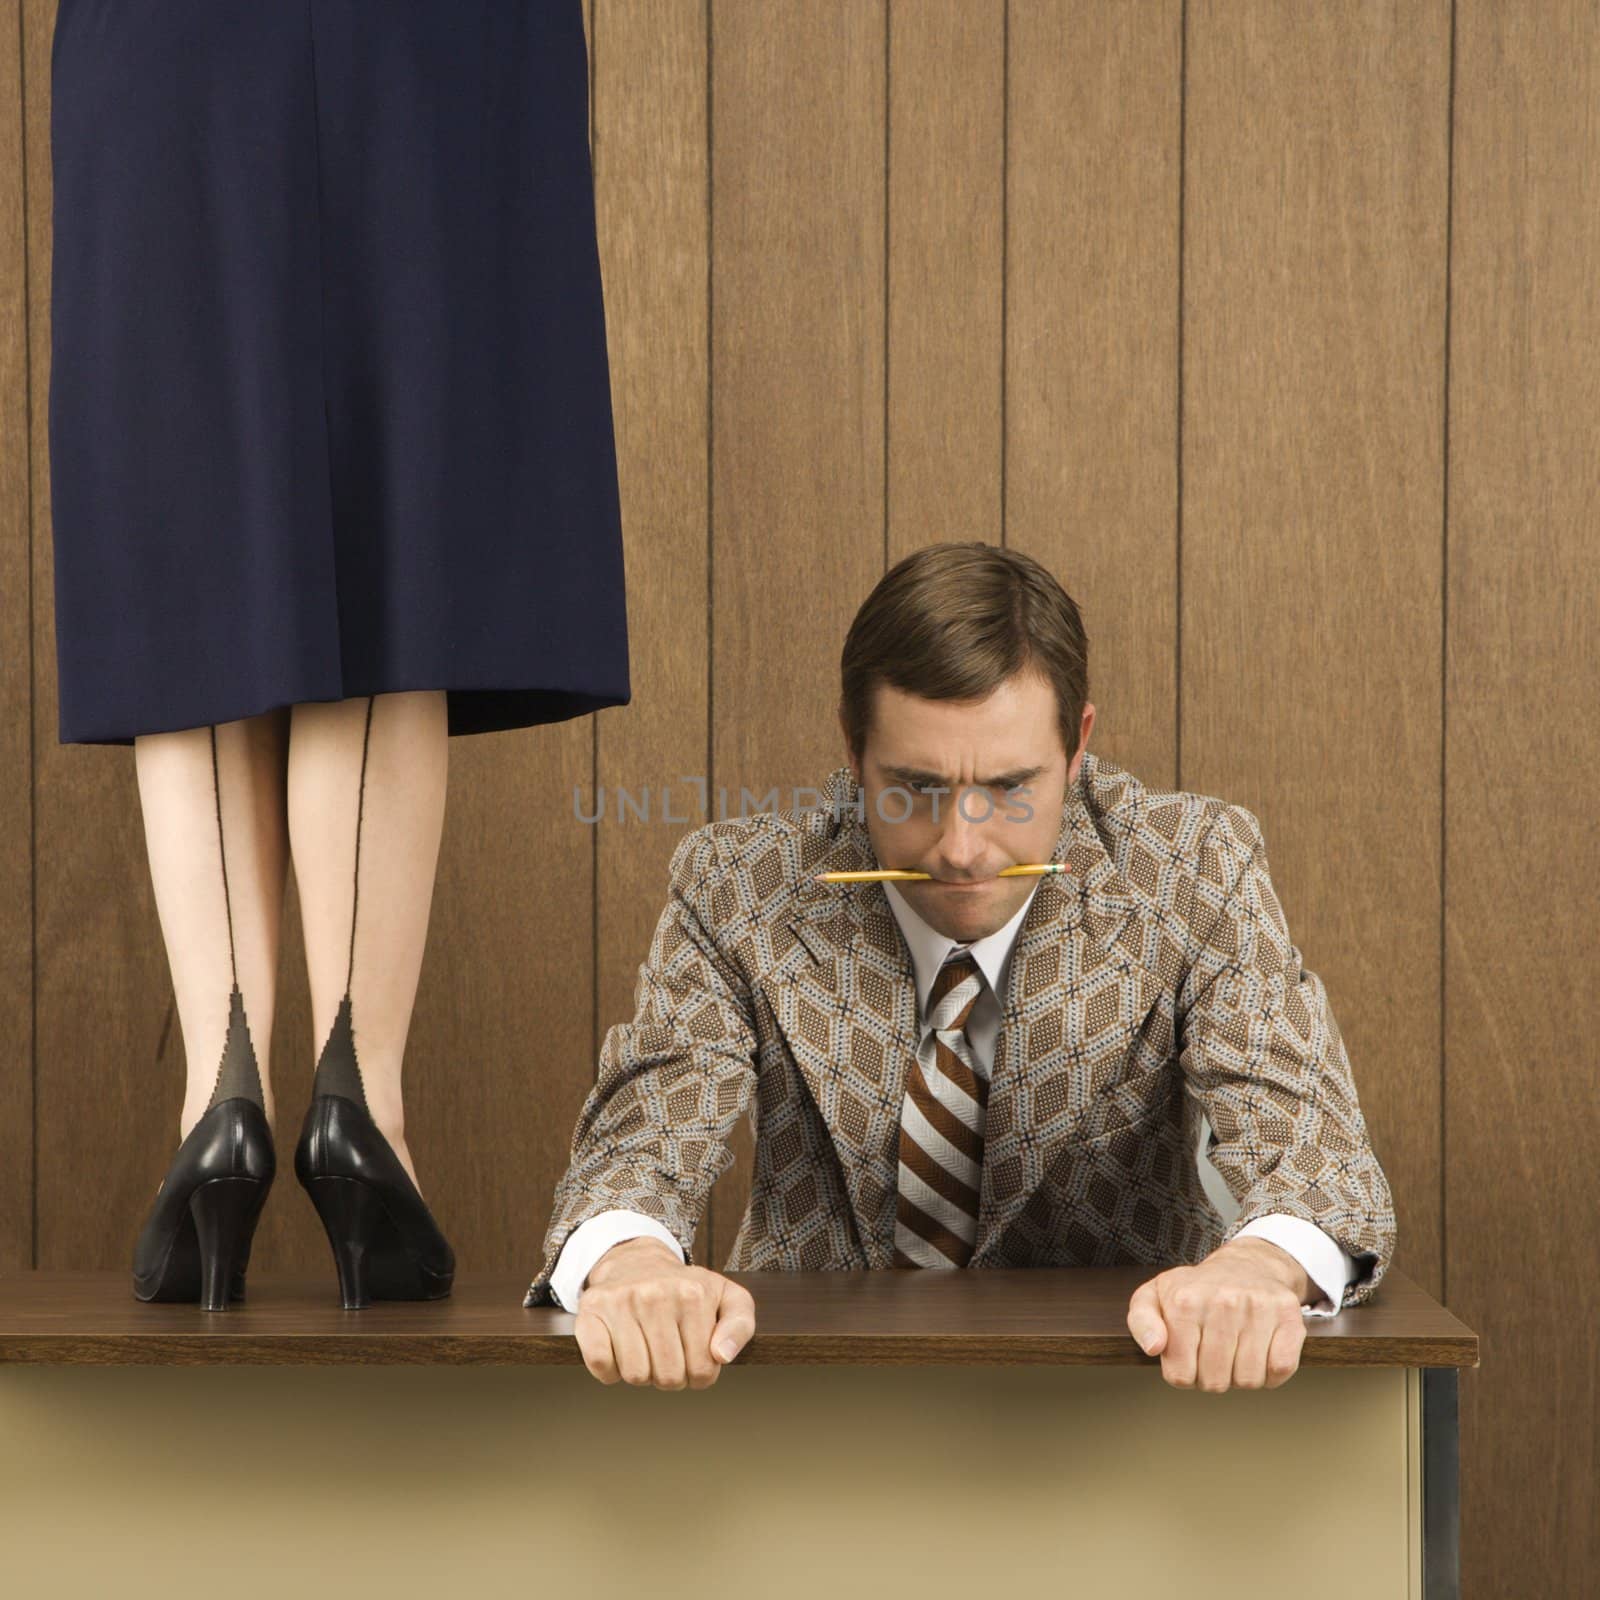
<point x="356" y="1224"/>
<point x="223" y="1211"/>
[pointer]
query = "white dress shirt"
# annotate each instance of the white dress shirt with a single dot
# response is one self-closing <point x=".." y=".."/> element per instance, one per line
<point x="1326" y="1263"/>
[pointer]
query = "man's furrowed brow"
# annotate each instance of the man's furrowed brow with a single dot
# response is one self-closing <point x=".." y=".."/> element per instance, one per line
<point x="920" y="776"/>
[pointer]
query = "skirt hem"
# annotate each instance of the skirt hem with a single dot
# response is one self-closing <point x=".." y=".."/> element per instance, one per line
<point x="471" y="708"/>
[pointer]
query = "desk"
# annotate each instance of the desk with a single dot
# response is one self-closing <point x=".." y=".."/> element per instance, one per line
<point x="883" y="1434"/>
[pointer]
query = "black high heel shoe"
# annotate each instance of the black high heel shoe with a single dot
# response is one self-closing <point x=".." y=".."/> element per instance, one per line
<point x="195" y="1243"/>
<point x="386" y="1245"/>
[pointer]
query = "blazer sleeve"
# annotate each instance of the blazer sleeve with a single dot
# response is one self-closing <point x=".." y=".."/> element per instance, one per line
<point x="1261" y="1051"/>
<point x="652" y="1134"/>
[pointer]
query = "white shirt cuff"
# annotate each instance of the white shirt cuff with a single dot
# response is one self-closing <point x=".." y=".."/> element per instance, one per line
<point x="1327" y="1263"/>
<point x="590" y="1240"/>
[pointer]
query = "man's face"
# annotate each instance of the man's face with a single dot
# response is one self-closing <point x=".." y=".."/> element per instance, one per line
<point x="1005" y="777"/>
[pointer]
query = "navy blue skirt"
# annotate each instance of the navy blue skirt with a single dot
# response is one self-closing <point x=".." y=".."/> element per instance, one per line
<point x="329" y="408"/>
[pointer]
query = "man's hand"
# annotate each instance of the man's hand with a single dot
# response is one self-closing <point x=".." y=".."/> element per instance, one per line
<point x="649" y="1318"/>
<point x="1235" y="1318"/>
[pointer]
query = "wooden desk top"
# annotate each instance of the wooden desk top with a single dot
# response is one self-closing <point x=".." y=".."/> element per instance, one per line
<point x="996" y="1317"/>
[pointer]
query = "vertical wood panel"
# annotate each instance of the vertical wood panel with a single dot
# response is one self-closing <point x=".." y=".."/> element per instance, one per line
<point x="797" y="176"/>
<point x="20" y="458"/>
<point x="1522" y="750"/>
<point x="946" y="290"/>
<point x="1091" y="345"/>
<point x="651" y="159"/>
<point x="501" y="1048"/>
<point x="1314" y="289"/>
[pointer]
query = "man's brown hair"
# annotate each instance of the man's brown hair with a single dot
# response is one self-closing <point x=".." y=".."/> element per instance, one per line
<point x="953" y="622"/>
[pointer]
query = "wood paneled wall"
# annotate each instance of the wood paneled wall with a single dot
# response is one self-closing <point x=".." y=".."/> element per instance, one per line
<point x="1270" y="329"/>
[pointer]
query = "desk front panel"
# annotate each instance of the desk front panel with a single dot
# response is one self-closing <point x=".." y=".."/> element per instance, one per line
<point x="777" y="1482"/>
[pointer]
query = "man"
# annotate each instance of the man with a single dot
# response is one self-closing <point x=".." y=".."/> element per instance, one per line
<point x="974" y="1070"/>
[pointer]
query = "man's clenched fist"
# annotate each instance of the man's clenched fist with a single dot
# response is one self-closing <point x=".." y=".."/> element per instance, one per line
<point x="1233" y="1321"/>
<point x="648" y="1318"/>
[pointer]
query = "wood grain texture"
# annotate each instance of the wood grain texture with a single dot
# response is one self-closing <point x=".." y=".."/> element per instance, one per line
<point x="797" y="268"/>
<point x="1522" y="750"/>
<point x="1315" y="178"/>
<point x="20" y="514"/>
<point x="652" y="173"/>
<point x="1001" y="1317"/>
<point x="944" y="362"/>
<point x="1091" y="375"/>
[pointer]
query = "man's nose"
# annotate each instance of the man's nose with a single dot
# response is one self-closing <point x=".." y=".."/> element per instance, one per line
<point x="962" y="846"/>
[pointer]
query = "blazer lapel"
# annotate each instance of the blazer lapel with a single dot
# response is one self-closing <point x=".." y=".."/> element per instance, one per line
<point x="1077" y="991"/>
<point x="849" y="1017"/>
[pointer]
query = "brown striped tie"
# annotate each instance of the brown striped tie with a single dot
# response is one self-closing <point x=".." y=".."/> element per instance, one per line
<point x="941" y="1131"/>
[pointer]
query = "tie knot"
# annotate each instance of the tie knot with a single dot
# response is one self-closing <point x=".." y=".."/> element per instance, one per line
<point x="956" y="987"/>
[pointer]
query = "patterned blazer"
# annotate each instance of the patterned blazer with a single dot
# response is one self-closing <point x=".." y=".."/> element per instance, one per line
<point x="1154" y="981"/>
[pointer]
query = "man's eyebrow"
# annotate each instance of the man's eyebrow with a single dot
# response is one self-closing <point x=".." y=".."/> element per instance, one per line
<point x="1003" y="780"/>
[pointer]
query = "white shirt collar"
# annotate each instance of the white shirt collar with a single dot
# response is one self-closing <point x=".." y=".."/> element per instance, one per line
<point x="929" y="947"/>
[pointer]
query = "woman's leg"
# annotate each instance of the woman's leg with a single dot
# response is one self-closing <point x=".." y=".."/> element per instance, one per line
<point x="366" y="810"/>
<point x="216" y="834"/>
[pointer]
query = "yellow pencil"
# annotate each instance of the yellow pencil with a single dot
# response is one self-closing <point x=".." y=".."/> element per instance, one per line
<point x="1032" y="869"/>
